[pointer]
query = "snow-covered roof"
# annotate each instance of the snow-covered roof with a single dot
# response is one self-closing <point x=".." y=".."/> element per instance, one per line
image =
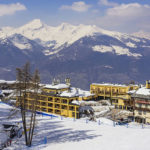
<point x="77" y="102"/>
<point x="131" y="92"/>
<point x="7" y="91"/>
<point x="57" y="86"/>
<point x="8" y="82"/>
<point x="73" y="92"/>
<point x="143" y="91"/>
<point x="109" y="84"/>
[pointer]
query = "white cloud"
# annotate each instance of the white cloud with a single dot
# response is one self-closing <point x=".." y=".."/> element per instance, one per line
<point x="107" y="3"/>
<point x="10" y="9"/>
<point x="77" y="6"/>
<point x="126" y="17"/>
<point x="129" y="10"/>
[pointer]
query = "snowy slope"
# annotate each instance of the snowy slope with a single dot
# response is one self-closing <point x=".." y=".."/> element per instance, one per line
<point x="142" y="34"/>
<point x="115" y="49"/>
<point x="67" y="134"/>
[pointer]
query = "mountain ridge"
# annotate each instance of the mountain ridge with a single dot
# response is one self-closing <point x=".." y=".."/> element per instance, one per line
<point x="84" y="53"/>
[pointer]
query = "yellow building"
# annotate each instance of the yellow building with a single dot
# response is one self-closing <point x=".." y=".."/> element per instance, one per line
<point x="118" y="94"/>
<point x="59" y="99"/>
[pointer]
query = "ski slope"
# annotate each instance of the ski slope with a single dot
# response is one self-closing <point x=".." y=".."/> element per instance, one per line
<point x="69" y="134"/>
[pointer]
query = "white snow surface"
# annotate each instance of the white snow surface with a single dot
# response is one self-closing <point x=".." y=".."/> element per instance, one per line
<point x="142" y="34"/>
<point x="58" y="86"/>
<point x="143" y="91"/>
<point x="110" y="84"/>
<point x="22" y="45"/>
<point x="129" y="44"/>
<point x="70" y="134"/>
<point x="118" y="50"/>
<point x="8" y="82"/>
<point x="73" y="92"/>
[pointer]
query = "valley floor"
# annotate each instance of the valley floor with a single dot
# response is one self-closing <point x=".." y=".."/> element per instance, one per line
<point x="68" y="134"/>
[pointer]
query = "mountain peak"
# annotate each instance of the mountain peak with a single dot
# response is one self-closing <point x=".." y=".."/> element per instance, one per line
<point x="65" y="25"/>
<point x="34" y="24"/>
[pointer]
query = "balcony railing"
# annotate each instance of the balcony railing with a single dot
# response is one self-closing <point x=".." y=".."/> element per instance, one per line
<point x="142" y="109"/>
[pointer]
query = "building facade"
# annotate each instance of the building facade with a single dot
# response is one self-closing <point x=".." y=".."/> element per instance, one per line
<point x="118" y="94"/>
<point x="141" y="100"/>
<point x="58" y="99"/>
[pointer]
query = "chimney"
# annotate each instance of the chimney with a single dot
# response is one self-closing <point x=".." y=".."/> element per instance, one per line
<point x="67" y="80"/>
<point x="148" y="84"/>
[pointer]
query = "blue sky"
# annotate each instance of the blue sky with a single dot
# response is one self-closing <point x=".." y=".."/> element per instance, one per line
<point x="119" y="15"/>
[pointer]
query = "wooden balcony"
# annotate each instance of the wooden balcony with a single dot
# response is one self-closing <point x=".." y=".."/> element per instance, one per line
<point x="142" y="109"/>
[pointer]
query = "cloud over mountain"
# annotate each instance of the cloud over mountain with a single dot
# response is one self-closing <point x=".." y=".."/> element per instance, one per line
<point x="130" y="17"/>
<point x="10" y="9"/>
<point x="79" y="6"/>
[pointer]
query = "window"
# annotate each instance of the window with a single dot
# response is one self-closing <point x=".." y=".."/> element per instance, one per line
<point x="140" y="112"/>
<point x="64" y="101"/>
<point x="144" y="112"/>
<point x="50" y="99"/>
<point x="140" y="105"/>
<point x="50" y="104"/>
<point x="73" y="114"/>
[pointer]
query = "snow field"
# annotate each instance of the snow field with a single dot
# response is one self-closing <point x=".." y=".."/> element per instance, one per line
<point x="69" y="134"/>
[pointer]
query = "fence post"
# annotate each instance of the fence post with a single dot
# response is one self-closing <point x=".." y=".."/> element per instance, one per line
<point x="127" y="125"/>
<point x="99" y="122"/>
<point x="61" y="117"/>
<point x="114" y="123"/>
<point x="74" y="119"/>
<point x="142" y="126"/>
<point x="45" y="140"/>
<point x="86" y="120"/>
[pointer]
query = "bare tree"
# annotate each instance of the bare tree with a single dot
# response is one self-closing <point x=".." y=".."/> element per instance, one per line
<point x="27" y="84"/>
<point x="36" y="81"/>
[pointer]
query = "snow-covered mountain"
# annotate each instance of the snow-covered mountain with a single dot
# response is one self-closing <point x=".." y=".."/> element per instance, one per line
<point x="63" y="34"/>
<point x="86" y="53"/>
<point x="57" y="38"/>
<point x="142" y="34"/>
